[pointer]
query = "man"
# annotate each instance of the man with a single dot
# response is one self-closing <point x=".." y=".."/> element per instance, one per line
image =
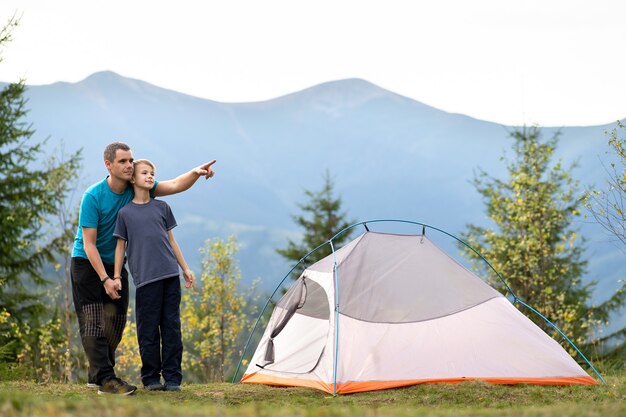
<point x="101" y="302"/>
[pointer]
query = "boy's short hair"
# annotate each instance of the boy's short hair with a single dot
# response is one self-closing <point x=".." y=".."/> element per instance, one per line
<point x="111" y="149"/>
<point x="145" y="162"/>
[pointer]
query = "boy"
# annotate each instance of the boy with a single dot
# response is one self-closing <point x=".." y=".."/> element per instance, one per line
<point x="144" y="231"/>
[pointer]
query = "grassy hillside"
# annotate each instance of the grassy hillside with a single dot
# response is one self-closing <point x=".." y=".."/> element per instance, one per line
<point x="467" y="399"/>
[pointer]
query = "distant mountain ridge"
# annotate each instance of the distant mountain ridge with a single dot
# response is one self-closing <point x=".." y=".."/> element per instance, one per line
<point x="390" y="157"/>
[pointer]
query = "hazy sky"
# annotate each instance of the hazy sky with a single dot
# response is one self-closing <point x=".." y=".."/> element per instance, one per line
<point x="549" y="62"/>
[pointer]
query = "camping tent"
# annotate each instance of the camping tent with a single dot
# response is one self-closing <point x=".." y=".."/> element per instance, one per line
<point x="390" y="310"/>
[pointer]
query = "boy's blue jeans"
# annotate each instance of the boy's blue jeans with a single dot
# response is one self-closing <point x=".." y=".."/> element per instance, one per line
<point x="157" y="311"/>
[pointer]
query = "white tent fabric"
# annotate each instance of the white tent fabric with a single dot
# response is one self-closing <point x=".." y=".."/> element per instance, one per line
<point x="406" y="313"/>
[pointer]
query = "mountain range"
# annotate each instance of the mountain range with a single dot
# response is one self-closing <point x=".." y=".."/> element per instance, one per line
<point x="390" y="157"/>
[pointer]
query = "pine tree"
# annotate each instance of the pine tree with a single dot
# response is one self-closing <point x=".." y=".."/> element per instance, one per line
<point x="29" y="192"/>
<point x="533" y="245"/>
<point x="321" y="220"/>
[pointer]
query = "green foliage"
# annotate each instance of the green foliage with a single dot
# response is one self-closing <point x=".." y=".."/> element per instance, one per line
<point x="37" y="347"/>
<point x="608" y="208"/>
<point x="608" y="205"/>
<point x="215" y="316"/>
<point x="533" y="245"/>
<point x="321" y="220"/>
<point x="63" y="231"/>
<point x="30" y="191"/>
<point x="47" y="356"/>
<point x="128" y="362"/>
<point x="10" y="333"/>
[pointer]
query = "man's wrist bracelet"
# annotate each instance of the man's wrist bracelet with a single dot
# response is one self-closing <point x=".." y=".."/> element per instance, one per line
<point x="117" y="278"/>
<point x="103" y="280"/>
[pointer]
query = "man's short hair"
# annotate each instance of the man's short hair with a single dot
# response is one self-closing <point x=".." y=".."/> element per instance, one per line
<point x="145" y="162"/>
<point x="111" y="150"/>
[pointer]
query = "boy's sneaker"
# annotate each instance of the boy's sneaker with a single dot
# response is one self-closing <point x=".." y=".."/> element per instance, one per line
<point x="116" y="386"/>
<point x="172" y="386"/>
<point x="155" y="387"/>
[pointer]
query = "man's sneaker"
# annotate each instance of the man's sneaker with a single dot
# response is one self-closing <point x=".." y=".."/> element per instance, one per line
<point x="155" y="387"/>
<point x="92" y="385"/>
<point x="116" y="386"/>
<point x="172" y="386"/>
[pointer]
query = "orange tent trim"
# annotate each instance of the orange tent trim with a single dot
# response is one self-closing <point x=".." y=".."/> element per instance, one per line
<point x="352" y="387"/>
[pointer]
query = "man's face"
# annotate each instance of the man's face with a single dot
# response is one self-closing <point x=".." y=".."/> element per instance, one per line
<point x="122" y="166"/>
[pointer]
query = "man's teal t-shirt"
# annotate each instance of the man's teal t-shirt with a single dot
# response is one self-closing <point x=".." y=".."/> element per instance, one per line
<point x="98" y="209"/>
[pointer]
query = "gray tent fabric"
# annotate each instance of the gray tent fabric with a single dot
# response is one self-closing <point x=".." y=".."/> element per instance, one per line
<point x="285" y="309"/>
<point x="402" y="279"/>
<point x="315" y="302"/>
<point x="305" y="297"/>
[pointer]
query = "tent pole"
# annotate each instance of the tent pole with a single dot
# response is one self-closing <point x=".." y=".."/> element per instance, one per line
<point x="424" y="226"/>
<point x="564" y="336"/>
<point x="336" y="355"/>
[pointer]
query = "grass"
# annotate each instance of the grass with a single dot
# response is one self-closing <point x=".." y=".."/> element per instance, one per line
<point x="18" y="398"/>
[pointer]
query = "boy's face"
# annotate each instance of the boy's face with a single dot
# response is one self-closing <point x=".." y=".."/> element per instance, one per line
<point x="122" y="166"/>
<point x="143" y="177"/>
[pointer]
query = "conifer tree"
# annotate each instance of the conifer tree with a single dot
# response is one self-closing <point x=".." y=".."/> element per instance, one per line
<point x="322" y="218"/>
<point x="29" y="192"/>
<point x="533" y="244"/>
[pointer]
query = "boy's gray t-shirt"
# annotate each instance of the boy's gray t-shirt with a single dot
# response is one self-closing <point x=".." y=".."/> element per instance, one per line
<point x="144" y="227"/>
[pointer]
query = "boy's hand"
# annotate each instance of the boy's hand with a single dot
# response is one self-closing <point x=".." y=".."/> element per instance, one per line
<point x="189" y="278"/>
<point x="205" y="170"/>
